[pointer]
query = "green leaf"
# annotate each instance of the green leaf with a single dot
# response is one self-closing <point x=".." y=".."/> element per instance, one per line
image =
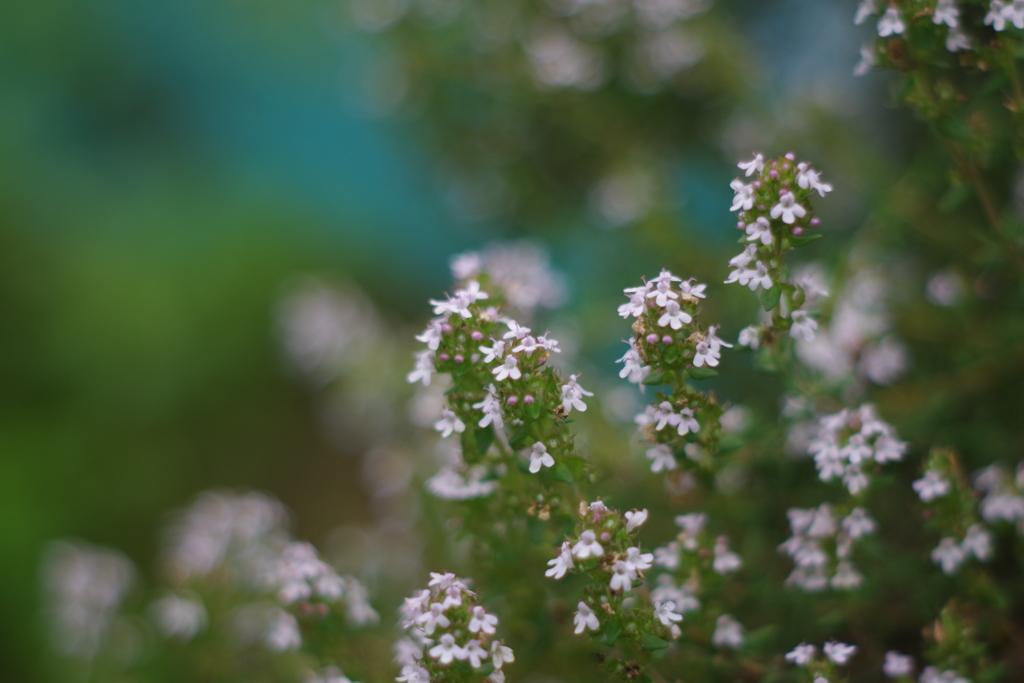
<point x="653" y="642"/>
<point x="484" y="439"/>
<point x="533" y="409"/>
<point x="954" y="129"/>
<point x="801" y="240"/>
<point x="561" y="473"/>
<point x="729" y="443"/>
<point x="535" y="530"/>
<point x="654" y="379"/>
<point x="519" y="437"/>
<point x="954" y="198"/>
<point x="612" y="630"/>
<point x="701" y="373"/>
<point x="770" y="297"/>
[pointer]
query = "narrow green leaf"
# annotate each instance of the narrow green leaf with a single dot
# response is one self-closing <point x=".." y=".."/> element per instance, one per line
<point x="653" y="642"/>
<point x="770" y="297"/>
<point x="533" y="409"/>
<point x="801" y="240"/>
<point x="654" y="379"/>
<point x="612" y="630"/>
<point x="519" y="437"/>
<point x="561" y="473"/>
<point x="701" y="373"/>
<point x="484" y="439"/>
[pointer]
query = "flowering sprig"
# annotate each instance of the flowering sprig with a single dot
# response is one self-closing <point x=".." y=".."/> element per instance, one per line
<point x="670" y="349"/>
<point x="776" y="215"/>
<point x="821" y="546"/>
<point x="449" y="637"/>
<point x="951" y="511"/>
<point x="851" y="443"/>
<point x="822" y="669"/>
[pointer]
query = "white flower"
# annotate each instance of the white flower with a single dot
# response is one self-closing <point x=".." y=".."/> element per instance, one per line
<point x="838" y="652"/>
<point x="661" y="458"/>
<point x="449" y="423"/>
<point x="996" y="17"/>
<point x="891" y="23"/>
<point x="622" y="577"/>
<point x="662" y="292"/>
<point x="587" y="546"/>
<point x="957" y="40"/>
<point x="802" y="654"/>
<point x="585" y="618"/>
<point x="694" y="290"/>
<point x="515" y="330"/>
<point x="501" y="654"/>
<point x="744" y="198"/>
<point x="760" y="229"/>
<point x="637" y="561"/>
<point x="750" y="336"/>
<point x="755" y="165"/>
<point x="633" y="367"/>
<point x="978" y="542"/>
<point x="687" y="423"/>
<point x="931" y="486"/>
<point x="755" y="277"/>
<point x="447" y="650"/>
<point x="560" y="564"/>
<point x="494" y="352"/>
<point x="788" y="209"/>
<point x="846" y="577"/>
<point x="663" y="613"/>
<point x="411" y="673"/>
<point x="508" y="369"/>
<point x="527" y="346"/>
<point x="180" y="616"/>
<point x="433" y="618"/>
<point x="491" y="407"/>
<point x="807" y="177"/>
<point x="637" y="305"/>
<point x="668" y="556"/>
<point x="858" y="523"/>
<point x="803" y="326"/>
<point x="946" y="12"/>
<point x="473" y="652"/>
<point x="673" y="316"/>
<point x="897" y="665"/>
<point x="539" y="457"/>
<point x="283" y="633"/>
<point x="728" y="632"/>
<point x="949" y="555"/>
<point x="665" y="415"/>
<point x="725" y="561"/>
<point x="572" y="395"/>
<point x="482" y="621"/>
<point x="704" y="354"/>
<point x="864" y="10"/>
<point x="424" y="368"/>
<point x="691" y="524"/>
<point x="635" y="518"/>
<point x="714" y="341"/>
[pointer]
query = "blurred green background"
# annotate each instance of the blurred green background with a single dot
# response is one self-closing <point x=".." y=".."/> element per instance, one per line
<point x="166" y="166"/>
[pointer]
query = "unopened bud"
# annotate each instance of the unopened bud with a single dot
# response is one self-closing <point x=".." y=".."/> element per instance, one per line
<point x="652" y="338"/>
<point x="666" y="339"/>
<point x="477" y="335"/>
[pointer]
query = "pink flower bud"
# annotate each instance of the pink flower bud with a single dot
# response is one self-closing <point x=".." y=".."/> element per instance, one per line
<point x="443" y="356"/>
<point x="667" y="339"/>
<point x="740" y="225"/>
<point x="790" y="156"/>
<point x="528" y="399"/>
<point x="815" y="222"/>
<point x="446" y="328"/>
<point x="798" y="231"/>
<point x="512" y="400"/>
<point x="606" y="537"/>
<point x="477" y="335"/>
<point x="652" y="338"/>
<point x="773" y="174"/>
<point x="459" y="358"/>
<point x="757" y="184"/>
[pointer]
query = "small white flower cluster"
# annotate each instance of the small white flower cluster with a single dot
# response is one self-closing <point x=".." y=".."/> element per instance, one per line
<point x="897" y="665"/>
<point x="600" y="523"/>
<point x="1001" y="12"/>
<point x="444" y="625"/>
<point x="728" y="632"/>
<point x="950" y="553"/>
<point x="931" y="674"/>
<point x="858" y="336"/>
<point x="849" y="440"/>
<point x="329" y="674"/>
<point x="672" y="602"/>
<point x="945" y="12"/>
<point x="692" y="541"/>
<point x="241" y="531"/>
<point x="814" y="530"/>
<point x="804" y="653"/>
<point x="1003" y="496"/>
<point x="521" y="269"/>
<point x="448" y="484"/>
<point x="85" y="586"/>
<point x="931" y="486"/>
<point x="179" y="615"/>
<point x="299" y="575"/>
